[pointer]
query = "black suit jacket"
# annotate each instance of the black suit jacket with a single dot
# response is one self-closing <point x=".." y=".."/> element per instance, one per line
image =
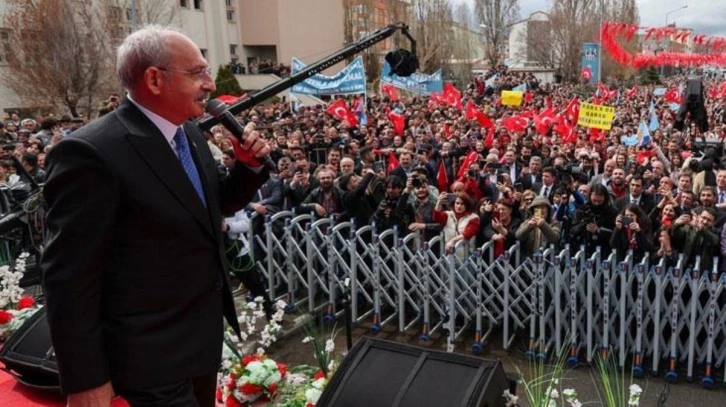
<point x="537" y="188"/>
<point x="645" y="202"/>
<point x="135" y="273"/>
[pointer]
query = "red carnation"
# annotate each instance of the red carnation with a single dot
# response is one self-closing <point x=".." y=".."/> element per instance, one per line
<point x="249" y="359"/>
<point x="232" y="402"/>
<point x="283" y="369"/>
<point x="232" y="382"/>
<point x="26" y="302"/>
<point x="249" y="389"/>
<point x="5" y="317"/>
<point x="218" y="394"/>
<point x="272" y="388"/>
<point x="319" y="375"/>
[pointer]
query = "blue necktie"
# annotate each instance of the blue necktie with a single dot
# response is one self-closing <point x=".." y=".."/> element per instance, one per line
<point x="185" y="157"/>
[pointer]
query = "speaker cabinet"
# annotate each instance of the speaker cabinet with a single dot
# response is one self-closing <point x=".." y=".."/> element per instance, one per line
<point x="382" y="373"/>
<point x="28" y="354"/>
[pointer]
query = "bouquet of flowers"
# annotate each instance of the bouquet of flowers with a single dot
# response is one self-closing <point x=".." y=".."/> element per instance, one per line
<point x="14" y="308"/>
<point x="252" y="378"/>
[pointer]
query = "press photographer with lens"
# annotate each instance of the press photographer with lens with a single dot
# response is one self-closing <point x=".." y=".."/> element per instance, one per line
<point x="593" y="223"/>
<point x="633" y="231"/>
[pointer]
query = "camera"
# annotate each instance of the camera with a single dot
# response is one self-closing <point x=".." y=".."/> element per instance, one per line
<point x="471" y="173"/>
<point x="300" y="168"/>
<point x="417" y="182"/>
<point x="378" y="166"/>
<point x="627" y="220"/>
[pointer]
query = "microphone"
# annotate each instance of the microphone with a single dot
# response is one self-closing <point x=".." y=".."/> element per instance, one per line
<point x="219" y="111"/>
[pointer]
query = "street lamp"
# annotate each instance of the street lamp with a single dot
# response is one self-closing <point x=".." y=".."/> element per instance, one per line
<point x="668" y="40"/>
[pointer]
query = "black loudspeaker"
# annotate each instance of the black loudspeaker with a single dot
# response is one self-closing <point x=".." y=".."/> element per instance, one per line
<point x="28" y="354"/>
<point x="381" y="373"/>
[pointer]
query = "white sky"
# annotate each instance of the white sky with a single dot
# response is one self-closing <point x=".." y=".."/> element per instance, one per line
<point x="703" y="16"/>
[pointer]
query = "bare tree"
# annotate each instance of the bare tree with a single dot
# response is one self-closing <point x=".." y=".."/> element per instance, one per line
<point x="495" y="16"/>
<point x="622" y="11"/>
<point x="56" y="63"/>
<point x="63" y="50"/>
<point x="573" y="22"/>
<point x="431" y="26"/>
<point x="538" y="44"/>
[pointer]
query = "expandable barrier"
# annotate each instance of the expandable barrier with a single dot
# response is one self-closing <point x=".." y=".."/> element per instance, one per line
<point x="657" y="319"/>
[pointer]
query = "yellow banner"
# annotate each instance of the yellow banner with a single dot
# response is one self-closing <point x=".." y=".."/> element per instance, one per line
<point x="596" y="116"/>
<point x="512" y="97"/>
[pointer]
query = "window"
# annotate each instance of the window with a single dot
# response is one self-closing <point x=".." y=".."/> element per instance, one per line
<point x="114" y="14"/>
<point x="197" y="4"/>
<point x="204" y="52"/>
<point x="184" y="3"/>
<point x="233" y="49"/>
<point x="129" y="14"/>
<point x="230" y="16"/>
<point x="5" y="50"/>
<point x="228" y="3"/>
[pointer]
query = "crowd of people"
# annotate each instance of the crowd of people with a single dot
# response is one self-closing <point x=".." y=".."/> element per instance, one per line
<point x="658" y="199"/>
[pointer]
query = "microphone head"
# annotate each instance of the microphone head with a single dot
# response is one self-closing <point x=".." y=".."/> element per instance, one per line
<point x="215" y="107"/>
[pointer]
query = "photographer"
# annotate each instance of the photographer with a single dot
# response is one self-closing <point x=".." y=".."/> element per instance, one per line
<point x="422" y="208"/>
<point x="539" y="229"/>
<point x="593" y="222"/>
<point x="693" y="233"/>
<point x="632" y="232"/>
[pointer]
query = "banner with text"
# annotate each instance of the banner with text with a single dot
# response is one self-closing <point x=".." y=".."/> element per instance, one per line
<point x="351" y="79"/>
<point x="596" y="116"/>
<point x="590" y="58"/>
<point x="420" y="83"/>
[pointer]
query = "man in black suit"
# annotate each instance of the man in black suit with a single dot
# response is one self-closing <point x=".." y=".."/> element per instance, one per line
<point x="636" y="195"/>
<point x="134" y="263"/>
<point x="548" y="185"/>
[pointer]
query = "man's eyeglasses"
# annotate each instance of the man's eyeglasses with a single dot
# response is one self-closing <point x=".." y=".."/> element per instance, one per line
<point x="196" y="74"/>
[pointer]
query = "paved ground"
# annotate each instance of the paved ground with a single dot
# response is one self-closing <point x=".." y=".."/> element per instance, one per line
<point x="291" y="350"/>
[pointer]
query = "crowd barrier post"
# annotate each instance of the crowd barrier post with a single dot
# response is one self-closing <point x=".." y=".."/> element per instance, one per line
<point x="695" y="276"/>
<point x="707" y="379"/>
<point x="679" y="283"/>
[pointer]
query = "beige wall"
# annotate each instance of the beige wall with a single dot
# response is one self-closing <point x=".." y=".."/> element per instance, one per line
<point x="308" y="30"/>
<point x="260" y="21"/>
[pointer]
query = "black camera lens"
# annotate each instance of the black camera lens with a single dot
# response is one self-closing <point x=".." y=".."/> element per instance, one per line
<point x="471" y="173"/>
<point x="417" y="183"/>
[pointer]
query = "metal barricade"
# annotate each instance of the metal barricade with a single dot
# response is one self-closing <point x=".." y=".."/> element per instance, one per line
<point x="639" y="313"/>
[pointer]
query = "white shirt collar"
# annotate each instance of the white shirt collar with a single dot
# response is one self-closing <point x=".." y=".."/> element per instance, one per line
<point x="167" y="128"/>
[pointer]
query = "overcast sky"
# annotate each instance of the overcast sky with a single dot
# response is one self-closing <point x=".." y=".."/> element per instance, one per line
<point x="703" y="16"/>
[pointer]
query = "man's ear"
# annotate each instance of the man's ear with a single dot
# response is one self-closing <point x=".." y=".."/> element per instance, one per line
<point x="154" y="80"/>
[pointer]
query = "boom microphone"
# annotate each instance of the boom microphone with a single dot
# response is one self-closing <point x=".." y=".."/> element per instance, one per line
<point x="219" y="111"/>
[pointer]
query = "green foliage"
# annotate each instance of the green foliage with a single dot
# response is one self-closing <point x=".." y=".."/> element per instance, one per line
<point x="650" y="76"/>
<point x="226" y="83"/>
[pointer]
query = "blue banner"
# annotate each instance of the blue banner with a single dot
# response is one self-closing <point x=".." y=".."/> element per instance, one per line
<point x="351" y="79"/>
<point x="419" y="83"/>
<point x="590" y="58"/>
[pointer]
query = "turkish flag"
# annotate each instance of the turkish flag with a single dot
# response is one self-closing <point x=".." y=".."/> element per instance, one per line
<point x="392" y="162"/>
<point x="596" y="135"/>
<point x="471" y="158"/>
<point x="472" y="112"/>
<point x="399" y="122"/>
<point x="437" y="99"/>
<point x="515" y="123"/>
<point x="570" y="136"/>
<point x="544" y="121"/>
<point x="447" y="131"/>
<point x="340" y="111"/>
<point x="489" y="140"/>
<point x="572" y="112"/>
<point x="442" y="182"/>
<point x="390" y="91"/>
<point x="586" y="73"/>
<point x="630" y="93"/>
<point x="528" y="97"/>
<point x="452" y="96"/>
<point x="673" y="96"/>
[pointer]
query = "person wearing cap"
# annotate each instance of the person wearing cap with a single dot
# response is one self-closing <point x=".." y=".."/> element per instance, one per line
<point x="539" y="229"/>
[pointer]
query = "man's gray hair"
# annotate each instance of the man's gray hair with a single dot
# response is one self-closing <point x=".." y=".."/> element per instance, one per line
<point x="141" y="49"/>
